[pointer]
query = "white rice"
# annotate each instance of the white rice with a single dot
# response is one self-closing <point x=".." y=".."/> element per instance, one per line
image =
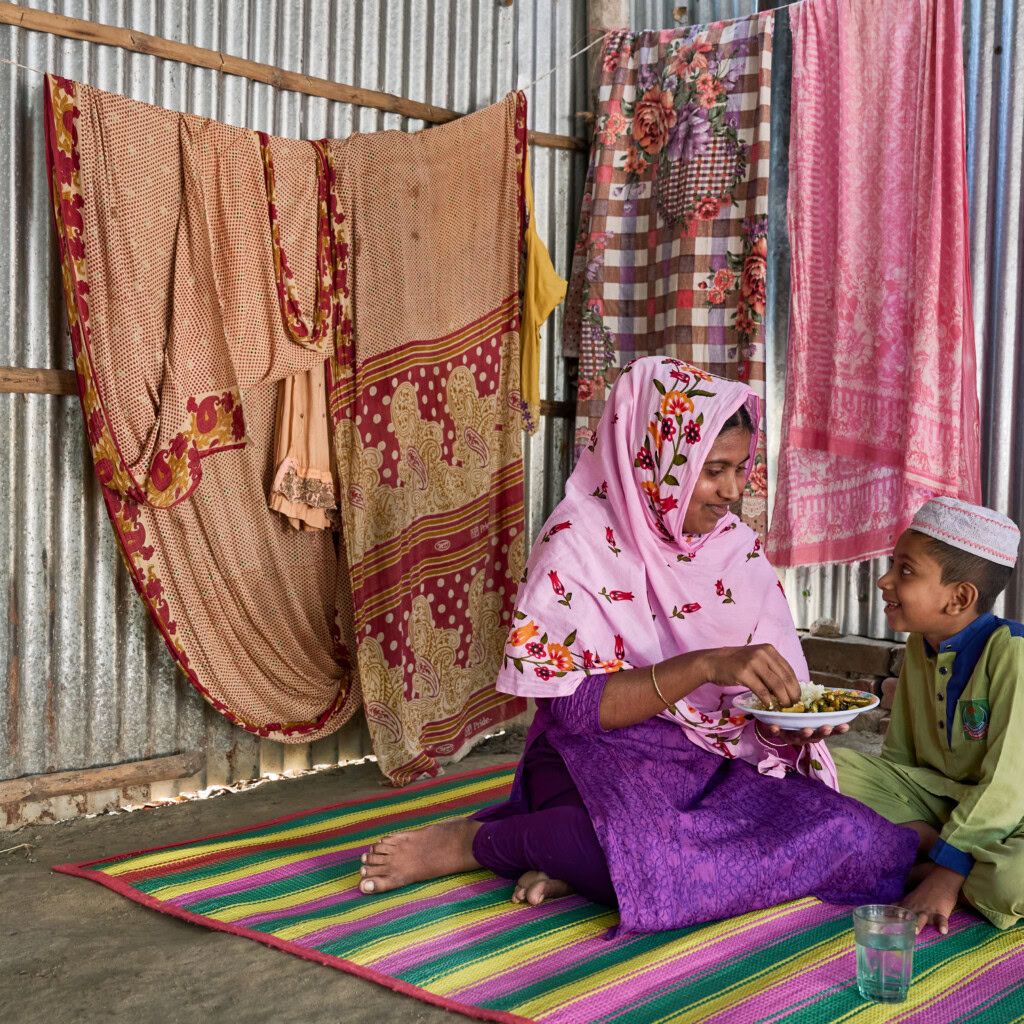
<point x="810" y="692"/>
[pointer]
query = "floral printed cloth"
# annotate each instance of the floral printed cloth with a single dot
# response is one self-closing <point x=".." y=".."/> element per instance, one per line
<point x="881" y="405"/>
<point x="614" y="582"/>
<point x="671" y="257"/>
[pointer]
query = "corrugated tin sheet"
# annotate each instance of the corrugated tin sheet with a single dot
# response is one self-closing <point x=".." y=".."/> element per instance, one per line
<point x="645" y="14"/>
<point x="994" y="48"/>
<point x="84" y="679"/>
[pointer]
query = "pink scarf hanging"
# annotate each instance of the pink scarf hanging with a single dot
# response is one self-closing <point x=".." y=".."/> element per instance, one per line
<point x="882" y="406"/>
<point x="614" y="582"/>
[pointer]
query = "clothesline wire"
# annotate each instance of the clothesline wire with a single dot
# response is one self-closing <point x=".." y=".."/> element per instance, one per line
<point x="568" y="60"/>
<point x="550" y="71"/>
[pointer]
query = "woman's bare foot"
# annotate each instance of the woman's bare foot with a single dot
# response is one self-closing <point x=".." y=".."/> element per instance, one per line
<point x="416" y="856"/>
<point x="534" y="887"/>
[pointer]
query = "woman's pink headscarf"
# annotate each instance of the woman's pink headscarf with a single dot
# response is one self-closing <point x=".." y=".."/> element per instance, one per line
<point x="614" y="582"/>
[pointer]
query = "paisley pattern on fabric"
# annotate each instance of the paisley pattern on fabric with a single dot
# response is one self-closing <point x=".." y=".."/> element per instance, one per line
<point x="881" y="408"/>
<point x="428" y="429"/>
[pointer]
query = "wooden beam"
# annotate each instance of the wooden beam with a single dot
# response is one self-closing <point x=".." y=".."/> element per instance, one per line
<point x="62" y="382"/>
<point x="559" y="410"/>
<point x="140" y="42"/>
<point x="91" y="780"/>
<point x="14" y="379"/>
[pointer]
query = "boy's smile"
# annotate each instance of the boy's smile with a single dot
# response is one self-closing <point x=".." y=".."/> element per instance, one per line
<point x="916" y="599"/>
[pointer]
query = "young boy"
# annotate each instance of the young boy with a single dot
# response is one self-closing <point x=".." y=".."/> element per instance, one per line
<point x="952" y="765"/>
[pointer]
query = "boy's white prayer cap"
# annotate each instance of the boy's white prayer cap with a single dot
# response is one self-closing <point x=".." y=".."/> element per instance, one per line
<point x="974" y="528"/>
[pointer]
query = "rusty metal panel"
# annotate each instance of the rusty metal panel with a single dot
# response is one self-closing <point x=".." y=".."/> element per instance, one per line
<point x="84" y="679"/>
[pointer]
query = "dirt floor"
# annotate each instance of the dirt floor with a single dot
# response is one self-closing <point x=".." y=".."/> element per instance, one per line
<point x="73" y="952"/>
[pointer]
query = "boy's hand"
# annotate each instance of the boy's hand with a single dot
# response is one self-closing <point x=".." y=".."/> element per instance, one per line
<point x="934" y="899"/>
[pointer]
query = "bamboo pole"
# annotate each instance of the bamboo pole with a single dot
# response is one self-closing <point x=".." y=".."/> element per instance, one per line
<point x="140" y="42"/>
<point x="15" y="380"/>
<point x="92" y="780"/>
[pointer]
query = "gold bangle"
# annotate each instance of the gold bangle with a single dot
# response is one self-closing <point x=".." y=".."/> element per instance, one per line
<point x="766" y="741"/>
<point x="657" y="689"/>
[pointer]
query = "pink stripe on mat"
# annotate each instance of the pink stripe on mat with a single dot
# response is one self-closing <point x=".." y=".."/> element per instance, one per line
<point x="795" y="991"/>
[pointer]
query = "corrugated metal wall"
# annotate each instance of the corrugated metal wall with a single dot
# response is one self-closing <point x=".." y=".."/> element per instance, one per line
<point x="84" y="679"/>
<point x="644" y="14"/>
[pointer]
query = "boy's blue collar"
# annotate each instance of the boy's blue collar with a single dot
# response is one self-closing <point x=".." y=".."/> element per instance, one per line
<point x="982" y="626"/>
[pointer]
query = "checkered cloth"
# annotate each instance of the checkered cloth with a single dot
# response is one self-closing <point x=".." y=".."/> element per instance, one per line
<point x="654" y="242"/>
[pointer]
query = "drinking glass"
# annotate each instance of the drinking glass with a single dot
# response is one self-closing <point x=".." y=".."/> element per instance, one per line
<point x="885" y="951"/>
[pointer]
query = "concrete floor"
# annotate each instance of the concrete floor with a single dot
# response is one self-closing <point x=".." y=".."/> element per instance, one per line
<point x="73" y="952"/>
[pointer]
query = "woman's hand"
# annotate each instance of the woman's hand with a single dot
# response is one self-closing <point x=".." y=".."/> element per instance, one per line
<point x="760" y="668"/>
<point x="801" y="737"/>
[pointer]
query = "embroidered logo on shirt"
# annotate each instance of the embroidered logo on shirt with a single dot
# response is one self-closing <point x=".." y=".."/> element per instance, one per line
<point x="974" y="717"/>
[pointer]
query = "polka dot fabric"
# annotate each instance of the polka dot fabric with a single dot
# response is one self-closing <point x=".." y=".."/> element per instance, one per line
<point x="428" y="434"/>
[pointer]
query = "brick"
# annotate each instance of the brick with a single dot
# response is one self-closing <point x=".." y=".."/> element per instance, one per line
<point x="850" y="655"/>
<point x="868" y="684"/>
<point x="831" y="680"/>
<point x="883" y="725"/>
<point x="896" y="662"/>
<point x="868" y="721"/>
<point x="888" y="692"/>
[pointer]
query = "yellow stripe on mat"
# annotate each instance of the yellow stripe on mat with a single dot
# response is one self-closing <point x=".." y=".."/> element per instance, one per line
<point x="428" y="798"/>
<point x="357" y="910"/>
<point x="941" y="980"/>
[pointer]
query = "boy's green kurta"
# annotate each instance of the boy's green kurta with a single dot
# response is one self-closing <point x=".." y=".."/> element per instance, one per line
<point x="954" y="757"/>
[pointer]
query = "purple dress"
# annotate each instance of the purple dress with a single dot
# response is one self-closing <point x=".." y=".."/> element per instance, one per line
<point x="682" y="835"/>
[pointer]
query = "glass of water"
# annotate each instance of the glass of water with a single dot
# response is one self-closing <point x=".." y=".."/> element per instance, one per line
<point x="885" y="951"/>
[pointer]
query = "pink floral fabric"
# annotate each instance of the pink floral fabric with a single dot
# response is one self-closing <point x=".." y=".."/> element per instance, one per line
<point x="614" y="582"/>
<point x="882" y="406"/>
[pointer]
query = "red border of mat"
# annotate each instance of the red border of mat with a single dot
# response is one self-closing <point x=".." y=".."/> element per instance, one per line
<point x="82" y="870"/>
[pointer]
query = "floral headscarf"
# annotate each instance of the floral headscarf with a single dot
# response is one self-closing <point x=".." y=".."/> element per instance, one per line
<point x="614" y="581"/>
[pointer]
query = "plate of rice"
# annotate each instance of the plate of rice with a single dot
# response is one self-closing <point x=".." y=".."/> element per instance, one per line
<point x="817" y="706"/>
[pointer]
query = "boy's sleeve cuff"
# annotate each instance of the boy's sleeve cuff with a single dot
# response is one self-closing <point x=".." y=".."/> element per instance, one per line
<point x="947" y="856"/>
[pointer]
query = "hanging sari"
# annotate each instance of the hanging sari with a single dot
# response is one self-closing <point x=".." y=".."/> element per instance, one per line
<point x="426" y="412"/>
<point x="881" y="395"/>
<point x="183" y="324"/>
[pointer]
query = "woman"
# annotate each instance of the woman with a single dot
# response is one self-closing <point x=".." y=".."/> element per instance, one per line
<point x="645" y="609"/>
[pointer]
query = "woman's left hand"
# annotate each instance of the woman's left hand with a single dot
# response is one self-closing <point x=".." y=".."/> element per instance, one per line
<point x="801" y="737"/>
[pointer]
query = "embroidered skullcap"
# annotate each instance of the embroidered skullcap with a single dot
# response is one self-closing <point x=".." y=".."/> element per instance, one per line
<point x="974" y="528"/>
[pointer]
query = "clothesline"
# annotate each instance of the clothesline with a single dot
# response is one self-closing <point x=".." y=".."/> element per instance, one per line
<point x="280" y="78"/>
<point x="558" y="67"/>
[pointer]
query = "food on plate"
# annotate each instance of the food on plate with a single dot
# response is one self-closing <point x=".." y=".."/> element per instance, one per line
<point x="817" y="700"/>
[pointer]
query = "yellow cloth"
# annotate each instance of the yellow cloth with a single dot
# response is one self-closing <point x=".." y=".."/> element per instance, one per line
<point x="543" y="290"/>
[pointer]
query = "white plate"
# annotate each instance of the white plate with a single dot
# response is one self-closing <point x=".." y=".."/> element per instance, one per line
<point x="800" y="719"/>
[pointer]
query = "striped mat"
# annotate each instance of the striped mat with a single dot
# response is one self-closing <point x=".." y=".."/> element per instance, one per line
<point x="458" y="942"/>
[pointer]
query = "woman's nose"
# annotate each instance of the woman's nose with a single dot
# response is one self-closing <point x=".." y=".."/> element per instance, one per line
<point x="884" y="581"/>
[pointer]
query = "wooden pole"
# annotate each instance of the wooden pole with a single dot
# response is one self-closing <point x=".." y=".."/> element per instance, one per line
<point x="15" y="380"/>
<point x="139" y="42"/>
<point x="91" y="780"/>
